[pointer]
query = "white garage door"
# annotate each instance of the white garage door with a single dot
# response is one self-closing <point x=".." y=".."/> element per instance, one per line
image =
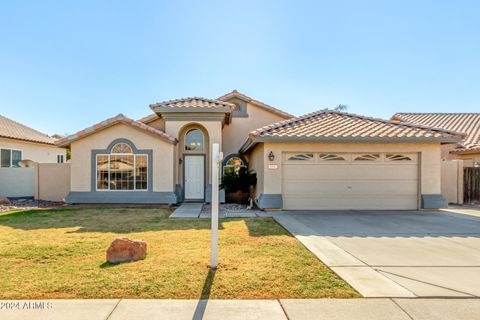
<point x="342" y="181"/>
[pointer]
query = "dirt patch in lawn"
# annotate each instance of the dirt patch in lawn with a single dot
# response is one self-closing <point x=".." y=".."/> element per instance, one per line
<point x="61" y="254"/>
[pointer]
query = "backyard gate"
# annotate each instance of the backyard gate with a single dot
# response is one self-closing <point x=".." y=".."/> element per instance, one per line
<point x="471" y="185"/>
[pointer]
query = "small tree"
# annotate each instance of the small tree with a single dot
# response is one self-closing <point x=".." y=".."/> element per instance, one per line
<point x="341" y="107"/>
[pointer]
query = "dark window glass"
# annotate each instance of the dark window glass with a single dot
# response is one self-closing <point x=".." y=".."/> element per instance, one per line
<point x="6" y="157"/>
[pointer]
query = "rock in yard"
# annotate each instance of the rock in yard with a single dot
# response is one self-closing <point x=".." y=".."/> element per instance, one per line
<point x="4" y="200"/>
<point x="126" y="250"/>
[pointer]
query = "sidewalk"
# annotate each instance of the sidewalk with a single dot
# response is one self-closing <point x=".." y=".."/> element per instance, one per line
<point x="331" y="309"/>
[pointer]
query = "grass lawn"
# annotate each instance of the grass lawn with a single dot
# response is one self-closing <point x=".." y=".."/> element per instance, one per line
<point x="61" y="254"/>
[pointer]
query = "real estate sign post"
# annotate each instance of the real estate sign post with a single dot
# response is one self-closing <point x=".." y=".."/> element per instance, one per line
<point x="216" y="159"/>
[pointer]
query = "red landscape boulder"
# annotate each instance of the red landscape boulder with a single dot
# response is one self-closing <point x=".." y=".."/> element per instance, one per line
<point x="126" y="250"/>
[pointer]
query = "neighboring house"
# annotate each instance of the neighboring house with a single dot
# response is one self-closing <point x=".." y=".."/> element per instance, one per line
<point x="19" y="142"/>
<point x="467" y="123"/>
<point x="323" y="160"/>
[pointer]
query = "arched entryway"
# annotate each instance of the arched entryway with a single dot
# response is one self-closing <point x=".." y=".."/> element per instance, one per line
<point x="194" y="145"/>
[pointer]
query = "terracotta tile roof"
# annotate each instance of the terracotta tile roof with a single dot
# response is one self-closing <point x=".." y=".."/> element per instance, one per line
<point x="149" y="118"/>
<point x="113" y="121"/>
<point x="193" y="104"/>
<point x="14" y="130"/>
<point x="329" y="125"/>
<point x="241" y="96"/>
<point x="467" y="123"/>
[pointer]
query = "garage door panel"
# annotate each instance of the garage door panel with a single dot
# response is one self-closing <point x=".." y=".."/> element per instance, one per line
<point x="309" y="187"/>
<point x="380" y="184"/>
<point x="352" y="172"/>
<point x="355" y="203"/>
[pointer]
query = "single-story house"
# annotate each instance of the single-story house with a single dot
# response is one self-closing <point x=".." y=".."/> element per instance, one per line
<point x="323" y="160"/>
<point x="467" y="123"/>
<point x="19" y="142"/>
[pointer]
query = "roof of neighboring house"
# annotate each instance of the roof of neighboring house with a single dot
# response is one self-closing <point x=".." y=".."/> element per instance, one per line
<point x="111" y="122"/>
<point x="329" y="125"/>
<point x="14" y="130"/>
<point x="467" y="123"/>
<point x="192" y="104"/>
<point x="241" y="96"/>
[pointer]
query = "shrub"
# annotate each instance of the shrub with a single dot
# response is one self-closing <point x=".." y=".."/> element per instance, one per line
<point x="239" y="181"/>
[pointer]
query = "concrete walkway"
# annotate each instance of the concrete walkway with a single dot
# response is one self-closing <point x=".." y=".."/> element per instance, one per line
<point x="187" y="210"/>
<point x="328" y="309"/>
<point x="194" y="210"/>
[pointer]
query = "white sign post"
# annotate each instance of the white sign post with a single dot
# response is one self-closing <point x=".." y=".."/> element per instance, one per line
<point x="216" y="160"/>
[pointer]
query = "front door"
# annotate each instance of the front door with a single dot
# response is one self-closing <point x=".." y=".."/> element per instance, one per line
<point x="194" y="177"/>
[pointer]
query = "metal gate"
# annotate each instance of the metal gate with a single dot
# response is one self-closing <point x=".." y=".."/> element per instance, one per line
<point x="471" y="185"/>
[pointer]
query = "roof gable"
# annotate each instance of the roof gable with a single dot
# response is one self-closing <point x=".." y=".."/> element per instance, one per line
<point x="111" y="122"/>
<point x="264" y="106"/>
<point x="13" y="130"/>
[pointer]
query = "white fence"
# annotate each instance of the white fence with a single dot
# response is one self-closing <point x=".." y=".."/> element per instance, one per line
<point x="17" y="182"/>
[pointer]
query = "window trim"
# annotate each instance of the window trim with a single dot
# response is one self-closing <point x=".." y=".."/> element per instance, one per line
<point x="203" y="150"/>
<point x="11" y="157"/>
<point x="93" y="165"/>
<point x="243" y="165"/>
<point x="134" y="173"/>
<point x="230" y="156"/>
<point x="124" y="153"/>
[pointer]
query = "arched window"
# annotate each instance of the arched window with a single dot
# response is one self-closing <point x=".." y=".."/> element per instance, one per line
<point x="233" y="165"/>
<point x="122" y="148"/>
<point x="194" y="140"/>
<point x="122" y="169"/>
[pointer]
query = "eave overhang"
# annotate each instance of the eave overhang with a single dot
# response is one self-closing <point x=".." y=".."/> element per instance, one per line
<point x="253" y="140"/>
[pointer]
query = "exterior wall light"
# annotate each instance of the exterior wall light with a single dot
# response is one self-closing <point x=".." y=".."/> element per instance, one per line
<point x="271" y="156"/>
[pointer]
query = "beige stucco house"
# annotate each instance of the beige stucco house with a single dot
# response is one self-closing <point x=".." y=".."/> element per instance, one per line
<point x="468" y="124"/>
<point x="19" y="142"/>
<point x="323" y="160"/>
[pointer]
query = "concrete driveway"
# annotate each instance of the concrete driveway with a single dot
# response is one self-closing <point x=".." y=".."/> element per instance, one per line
<point x="395" y="253"/>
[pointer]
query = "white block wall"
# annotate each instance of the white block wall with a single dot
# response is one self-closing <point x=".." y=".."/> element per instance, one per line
<point x="17" y="182"/>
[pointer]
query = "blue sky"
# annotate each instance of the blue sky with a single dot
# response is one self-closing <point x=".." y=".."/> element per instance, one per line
<point x="65" y="65"/>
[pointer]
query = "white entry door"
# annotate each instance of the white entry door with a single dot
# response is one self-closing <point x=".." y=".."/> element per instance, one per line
<point x="194" y="177"/>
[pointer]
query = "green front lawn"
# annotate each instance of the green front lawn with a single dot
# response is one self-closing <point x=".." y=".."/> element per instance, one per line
<point x="61" y="254"/>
